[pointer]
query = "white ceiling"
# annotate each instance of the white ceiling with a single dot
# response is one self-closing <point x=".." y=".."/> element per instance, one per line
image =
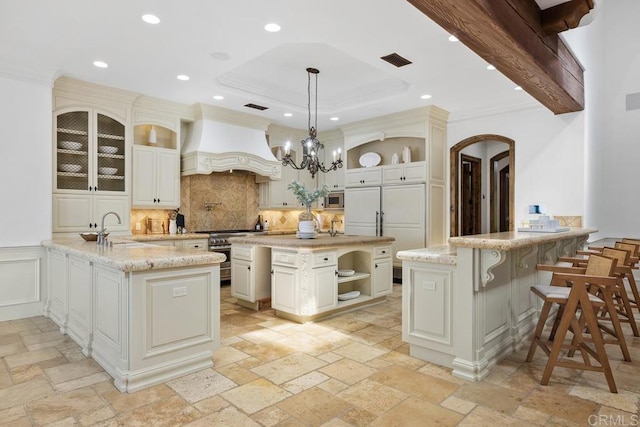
<point x="43" y="39"/>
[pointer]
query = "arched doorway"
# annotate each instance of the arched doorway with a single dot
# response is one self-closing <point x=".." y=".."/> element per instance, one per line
<point x="492" y="148"/>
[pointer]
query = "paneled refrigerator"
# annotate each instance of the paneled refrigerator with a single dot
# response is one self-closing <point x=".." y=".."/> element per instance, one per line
<point x="397" y="211"/>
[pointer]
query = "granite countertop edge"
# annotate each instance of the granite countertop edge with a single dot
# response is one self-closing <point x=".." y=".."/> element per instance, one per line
<point x="323" y="241"/>
<point x="445" y="255"/>
<point x="515" y="239"/>
<point x="140" y="258"/>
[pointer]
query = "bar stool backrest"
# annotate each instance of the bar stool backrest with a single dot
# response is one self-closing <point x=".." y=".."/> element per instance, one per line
<point x="620" y="255"/>
<point x="631" y="247"/>
<point x="599" y="265"/>
<point x="633" y="242"/>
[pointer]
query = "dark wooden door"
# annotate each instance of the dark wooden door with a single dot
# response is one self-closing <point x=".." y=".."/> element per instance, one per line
<point x="471" y="184"/>
<point x="504" y="198"/>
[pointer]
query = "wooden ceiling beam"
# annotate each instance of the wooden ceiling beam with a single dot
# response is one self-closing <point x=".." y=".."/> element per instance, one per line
<point x="509" y="35"/>
<point x="564" y="16"/>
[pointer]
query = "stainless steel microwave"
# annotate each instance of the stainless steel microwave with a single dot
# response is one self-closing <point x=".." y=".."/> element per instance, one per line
<point x="334" y="200"/>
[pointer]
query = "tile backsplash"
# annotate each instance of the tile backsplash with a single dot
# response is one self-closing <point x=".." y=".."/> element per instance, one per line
<point x="223" y="201"/>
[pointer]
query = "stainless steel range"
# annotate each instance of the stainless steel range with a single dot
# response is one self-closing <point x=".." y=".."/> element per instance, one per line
<point x="218" y="242"/>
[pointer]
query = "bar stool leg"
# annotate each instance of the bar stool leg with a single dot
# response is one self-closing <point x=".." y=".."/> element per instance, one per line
<point x="537" y="334"/>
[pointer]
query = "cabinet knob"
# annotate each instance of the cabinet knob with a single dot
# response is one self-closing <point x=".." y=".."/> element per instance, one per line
<point x="272" y="272"/>
<point x="95" y="225"/>
<point x="384" y="252"/>
<point x="90" y="225"/>
<point x="158" y="200"/>
<point x="248" y="267"/>
<point x="376" y="265"/>
<point x="336" y="272"/>
<point x="326" y="259"/>
<point x="196" y="246"/>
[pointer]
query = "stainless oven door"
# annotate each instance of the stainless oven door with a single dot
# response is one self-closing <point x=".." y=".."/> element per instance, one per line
<point x="225" y="267"/>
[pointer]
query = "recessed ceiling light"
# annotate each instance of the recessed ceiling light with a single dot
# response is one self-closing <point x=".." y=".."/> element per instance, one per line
<point x="182" y="77"/>
<point x="150" y="19"/>
<point x="218" y="97"/>
<point x="517" y="88"/>
<point x="490" y="67"/>
<point x="220" y="56"/>
<point x="288" y="114"/>
<point x="272" y="27"/>
<point x="426" y="96"/>
<point x="334" y="119"/>
<point x="453" y="38"/>
<point x="100" y="64"/>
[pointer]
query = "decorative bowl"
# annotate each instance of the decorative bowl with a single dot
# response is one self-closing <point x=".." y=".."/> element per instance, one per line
<point x="108" y="149"/>
<point x="92" y="236"/>
<point x="346" y="273"/>
<point x="69" y="167"/>
<point x="107" y="171"/>
<point x="70" y="145"/>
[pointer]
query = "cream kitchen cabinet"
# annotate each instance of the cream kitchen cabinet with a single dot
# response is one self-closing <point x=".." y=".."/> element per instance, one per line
<point x="90" y="164"/>
<point x="250" y="280"/>
<point x="156" y="178"/>
<point x="363" y="177"/>
<point x="406" y="173"/>
<point x="78" y="213"/>
<point x="382" y="283"/>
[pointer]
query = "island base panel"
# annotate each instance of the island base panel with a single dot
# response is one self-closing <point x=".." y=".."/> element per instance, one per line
<point x="344" y="306"/>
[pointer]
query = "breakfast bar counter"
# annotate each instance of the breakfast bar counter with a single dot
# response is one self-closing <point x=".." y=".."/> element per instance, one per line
<point x="468" y="305"/>
<point x="145" y="313"/>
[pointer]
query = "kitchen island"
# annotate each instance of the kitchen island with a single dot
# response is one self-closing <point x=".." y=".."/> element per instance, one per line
<point x="145" y="313"/>
<point x="468" y="305"/>
<point x="308" y="279"/>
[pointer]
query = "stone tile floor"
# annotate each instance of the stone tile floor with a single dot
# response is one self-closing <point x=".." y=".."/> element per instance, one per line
<point x="352" y="369"/>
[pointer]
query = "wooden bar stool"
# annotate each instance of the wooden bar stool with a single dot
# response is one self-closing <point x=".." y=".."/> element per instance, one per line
<point x="570" y="292"/>
<point x="621" y="298"/>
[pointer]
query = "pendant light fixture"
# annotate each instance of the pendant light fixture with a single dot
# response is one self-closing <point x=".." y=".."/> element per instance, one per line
<point x="311" y="147"/>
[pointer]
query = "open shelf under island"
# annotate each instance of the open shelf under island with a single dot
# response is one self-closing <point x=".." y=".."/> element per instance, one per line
<point x="300" y="276"/>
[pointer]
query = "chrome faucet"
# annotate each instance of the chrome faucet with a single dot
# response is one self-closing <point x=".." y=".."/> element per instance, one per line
<point x="101" y="239"/>
<point x="333" y="231"/>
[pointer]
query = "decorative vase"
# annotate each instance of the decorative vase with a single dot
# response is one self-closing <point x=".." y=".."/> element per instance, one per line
<point x="306" y="221"/>
<point x="173" y="227"/>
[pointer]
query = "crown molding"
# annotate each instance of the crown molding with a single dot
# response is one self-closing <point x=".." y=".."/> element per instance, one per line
<point x="495" y="111"/>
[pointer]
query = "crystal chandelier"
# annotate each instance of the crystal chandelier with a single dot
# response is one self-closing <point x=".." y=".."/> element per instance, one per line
<point x="311" y="147"/>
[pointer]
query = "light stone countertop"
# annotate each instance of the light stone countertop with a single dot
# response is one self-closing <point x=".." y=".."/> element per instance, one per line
<point x="323" y="241"/>
<point x="139" y="257"/>
<point x="509" y="240"/>
<point x="160" y="236"/>
<point x="435" y="255"/>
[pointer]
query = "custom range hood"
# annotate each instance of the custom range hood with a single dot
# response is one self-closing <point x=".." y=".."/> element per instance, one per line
<point x="221" y="140"/>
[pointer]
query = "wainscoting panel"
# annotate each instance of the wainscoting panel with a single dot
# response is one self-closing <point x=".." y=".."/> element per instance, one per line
<point x="21" y="283"/>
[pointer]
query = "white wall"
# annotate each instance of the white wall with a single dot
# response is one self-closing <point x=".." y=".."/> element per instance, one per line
<point x="549" y="156"/>
<point x="25" y="162"/>
<point x="25" y="191"/>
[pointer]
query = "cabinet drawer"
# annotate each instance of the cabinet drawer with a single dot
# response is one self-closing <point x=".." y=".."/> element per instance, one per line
<point x="382" y="252"/>
<point x="284" y="258"/>
<point x="322" y="259"/>
<point x="199" y="244"/>
<point x="242" y="252"/>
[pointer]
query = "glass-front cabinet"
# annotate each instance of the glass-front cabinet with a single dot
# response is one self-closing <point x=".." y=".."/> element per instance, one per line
<point x="90" y="178"/>
<point x="90" y="153"/>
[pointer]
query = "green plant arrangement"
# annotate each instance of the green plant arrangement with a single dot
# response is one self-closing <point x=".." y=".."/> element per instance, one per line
<point x="305" y="196"/>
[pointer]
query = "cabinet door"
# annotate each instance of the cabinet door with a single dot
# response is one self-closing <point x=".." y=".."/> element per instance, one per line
<point x="372" y="176"/>
<point x="392" y="174"/>
<point x="168" y="178"/>
<point x="353" y="178"/>
<point x="241" y="282"/>
<point x="71" y="149"/>
<point x="144" y="177"/>
<point x="110" y="152"/>
<point x="80" y="292"/>
<point x="284" y="294"/>
<point x="326" y="288"/>
<point x="58" y="296"/>
<point x="198" y="244"/>
<point x="415" y="172"/>
<point x="117" y="204"/>
<point x="404" y="216"/>
<point x="73" y="213"/>
<point x="382" y="277"/>
<point x="263" y="195"/>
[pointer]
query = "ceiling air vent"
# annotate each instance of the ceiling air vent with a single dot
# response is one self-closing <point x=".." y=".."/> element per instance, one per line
<point x="256" y="107"/>
<point x="395" y="59"/>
